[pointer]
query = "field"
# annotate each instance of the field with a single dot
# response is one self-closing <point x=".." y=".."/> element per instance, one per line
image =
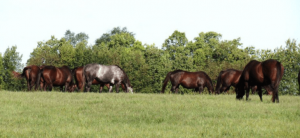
<point x="57" y="114"/>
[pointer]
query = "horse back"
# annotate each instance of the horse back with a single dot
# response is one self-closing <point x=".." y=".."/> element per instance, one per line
<point x="232" y="76"/>
<point x="253" y="71"/>
<point x="273" y="70"/>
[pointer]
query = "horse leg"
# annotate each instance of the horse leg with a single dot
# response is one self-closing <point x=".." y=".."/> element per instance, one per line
<point x="259" y="91"/>
<point x="223" y="89"/>
<point x="28" y="85"/>
<point x="88" y="85"/>
<point x="61" y="88"/>
<point x="31" y="84"/>
<point x="100" y="89"/>
<point x="51" y="86"/>
<point x="275" y="97"/>
<point x="247" y="93"/>
<point x="110" y="89"/>
<point x="200" y="89"/>
<point x="117" y="87"/>
<point x="66" y="86"/>
<point x="176" y="90"/>
<point x="45" y="87"/>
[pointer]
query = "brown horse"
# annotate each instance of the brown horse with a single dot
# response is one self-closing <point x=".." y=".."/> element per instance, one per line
<point x="299" y="79"/>
<point x="31" y="75"/>
<point x="230" y="77"/>
<point x="226" y="79"/>
<point x="53" y="76"/>
<point x="77" y="73"/>
<point x="190" y="80"/>
<point x="261" y="74"/>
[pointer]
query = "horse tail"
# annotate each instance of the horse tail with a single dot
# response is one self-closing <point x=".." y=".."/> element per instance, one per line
<point x="83" y="79"/>
<point x="166" y="82"/>
<point x="210" y="85"/>
<point x="219" y="82"/>
<point x="278" y="74"/>
<point x="24" y="72"/>
<point x="39" y="78"/>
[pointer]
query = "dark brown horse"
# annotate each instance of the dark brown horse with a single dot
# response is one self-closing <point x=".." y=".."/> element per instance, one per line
<point x="261" y="74"/>
<point x="31" y="75"/>
<point x="299" y="79"/>
<point x="77" y="74"/>
<point x="53" y="76"/>
<point x="190" y="80"/>
<point x="16" y="75"/>
<point x="228" y="78"/>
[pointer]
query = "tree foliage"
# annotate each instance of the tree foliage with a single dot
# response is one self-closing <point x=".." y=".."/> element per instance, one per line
<point x="147" y="65"/>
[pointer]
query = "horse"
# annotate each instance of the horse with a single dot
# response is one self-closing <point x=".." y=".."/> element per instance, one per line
<point x="261" y="74"/>
<point x="31" y="75"/>
<point x="230" y="77"/>
<point x="190" y="80"/>
<point x="226" y="79"/>
<point x="53" y="76"/>
<point x="16" y="75"/>
<point x="299" y="79"/>
<point x="77" y="74"/>
<point x="111" y="74"/>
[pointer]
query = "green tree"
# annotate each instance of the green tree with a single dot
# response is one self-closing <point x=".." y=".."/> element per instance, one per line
<point x="2" y="73"/>
<point x="66" y="54"/>
<point x="158" y="65"/>
<point x="175" y="45"/>
<point x="75" y="39"/>
<point x="106" y="37"/>
<point x="11" y="62"/>
<point x="46" y="53"/>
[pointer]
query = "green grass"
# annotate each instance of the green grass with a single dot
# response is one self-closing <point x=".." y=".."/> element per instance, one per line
<point x="56" y="114"/>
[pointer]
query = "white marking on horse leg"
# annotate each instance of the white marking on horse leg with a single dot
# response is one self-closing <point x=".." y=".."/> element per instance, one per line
<point x="110" y="88"/>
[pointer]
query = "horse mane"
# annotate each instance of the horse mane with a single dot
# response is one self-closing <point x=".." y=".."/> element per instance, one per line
<point x="178" y="70"/>
<point x="49" y="67"/>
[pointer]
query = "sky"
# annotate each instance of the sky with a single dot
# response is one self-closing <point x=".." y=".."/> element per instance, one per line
<point x="264" y="24"/>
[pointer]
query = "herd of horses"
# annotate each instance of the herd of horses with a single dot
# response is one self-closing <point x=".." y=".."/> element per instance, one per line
<point x="256" y="75"/>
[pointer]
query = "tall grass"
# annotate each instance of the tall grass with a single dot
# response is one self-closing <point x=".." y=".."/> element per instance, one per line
<point x="56" y="114"/>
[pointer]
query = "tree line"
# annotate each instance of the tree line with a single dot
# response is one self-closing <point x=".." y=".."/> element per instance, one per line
<point x="147" y="65"/>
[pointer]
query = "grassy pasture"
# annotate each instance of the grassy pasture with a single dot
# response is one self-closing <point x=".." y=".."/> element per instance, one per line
<point x="56" y="114"/>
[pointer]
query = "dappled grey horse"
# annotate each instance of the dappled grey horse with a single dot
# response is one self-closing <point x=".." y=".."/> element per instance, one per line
<point x="111" y="74"/>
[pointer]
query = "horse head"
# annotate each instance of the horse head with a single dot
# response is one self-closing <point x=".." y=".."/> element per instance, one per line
<point x="72" y="88"/>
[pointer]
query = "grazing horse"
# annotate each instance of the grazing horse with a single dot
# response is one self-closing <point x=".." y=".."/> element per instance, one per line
<point x="77" y="74"/>
<point x="261" y="74"/>
<point x="228" y="78"/>
<point x="31" y="75"/>
<point x="190" y="80"/>
<point x="53" y="76"/>
<point x="299" y="79"/>
<point x="111" y="74"/>
<point x="16" y="75"/>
